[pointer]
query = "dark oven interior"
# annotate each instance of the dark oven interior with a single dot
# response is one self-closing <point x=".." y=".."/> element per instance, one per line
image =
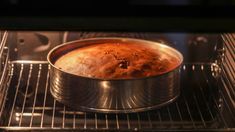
<point x="207" y="100"/>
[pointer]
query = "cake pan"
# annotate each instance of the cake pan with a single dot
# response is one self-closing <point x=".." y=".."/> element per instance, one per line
<point x="113" y="95"/>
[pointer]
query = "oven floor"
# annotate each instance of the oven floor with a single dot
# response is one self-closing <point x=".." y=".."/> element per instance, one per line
<point x="29" y="105"/>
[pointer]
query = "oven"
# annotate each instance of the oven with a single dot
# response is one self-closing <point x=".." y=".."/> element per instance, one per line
<point x="207" y="84"/>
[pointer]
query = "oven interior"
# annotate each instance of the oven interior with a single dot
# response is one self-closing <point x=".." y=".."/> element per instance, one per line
<point x="206" y="103"/>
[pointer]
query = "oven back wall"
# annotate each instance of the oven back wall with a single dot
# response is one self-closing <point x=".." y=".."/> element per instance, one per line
<point x="31" y="45"/>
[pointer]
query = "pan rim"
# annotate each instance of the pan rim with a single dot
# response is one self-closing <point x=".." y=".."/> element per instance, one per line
<point x="179" y="56"/>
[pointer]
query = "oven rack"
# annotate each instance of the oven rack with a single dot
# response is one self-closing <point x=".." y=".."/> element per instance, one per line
<point x="30" y="106"/>
<point x="228" y="68"/>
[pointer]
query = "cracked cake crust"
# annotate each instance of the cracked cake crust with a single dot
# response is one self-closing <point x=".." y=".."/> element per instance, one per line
<point x="117" y="61"/>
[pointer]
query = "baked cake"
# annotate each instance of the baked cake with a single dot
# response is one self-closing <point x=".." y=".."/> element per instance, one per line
<point x="117" y="61"/>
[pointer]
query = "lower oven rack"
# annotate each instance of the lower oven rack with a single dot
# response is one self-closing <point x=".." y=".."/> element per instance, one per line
<point x="30" y="106"/>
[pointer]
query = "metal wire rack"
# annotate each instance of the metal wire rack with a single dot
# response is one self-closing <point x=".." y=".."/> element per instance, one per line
<point x="29" y="105"/>
<point x="228" y="69"/>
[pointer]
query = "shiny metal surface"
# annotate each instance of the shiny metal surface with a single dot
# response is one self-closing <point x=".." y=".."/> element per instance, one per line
<point x="117" y="95"/>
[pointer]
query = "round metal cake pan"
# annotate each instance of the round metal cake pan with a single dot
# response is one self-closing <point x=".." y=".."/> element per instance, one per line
<point x="113" y="95"/>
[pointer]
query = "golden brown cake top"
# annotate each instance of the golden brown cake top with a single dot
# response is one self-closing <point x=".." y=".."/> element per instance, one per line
<point x="117" y="61"/>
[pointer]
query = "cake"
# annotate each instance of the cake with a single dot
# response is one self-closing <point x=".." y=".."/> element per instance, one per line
<point x="116" y="61"/>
